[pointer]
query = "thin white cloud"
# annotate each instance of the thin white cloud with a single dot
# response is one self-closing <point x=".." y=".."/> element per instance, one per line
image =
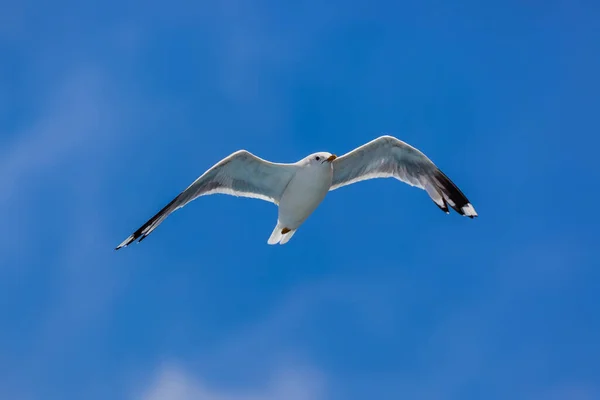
<point x="174" y="383"/>
<point x="61" y="153"/>
<point x="75" y="118"/>
<point x="269" y="347"/>
<point x="69" y="119"/>
<point x="55" y="171"/>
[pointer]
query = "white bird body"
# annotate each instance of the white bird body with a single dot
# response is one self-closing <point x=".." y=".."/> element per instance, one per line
<point x="298" y="188"/>
<point x="303" y="194"/>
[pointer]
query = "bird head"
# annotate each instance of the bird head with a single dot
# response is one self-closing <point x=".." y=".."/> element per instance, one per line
<point x="320" y="159"/>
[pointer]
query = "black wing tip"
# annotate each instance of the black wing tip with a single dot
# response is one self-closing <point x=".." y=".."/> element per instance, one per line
<point x="460" y="211"/>
<point x="137" y="235"/>
<point x="468" y="211"/>
<point x="444" y="208"/>
<point x="453" y="196"/>
<point x="143" y="231"/>
<point x="126" y="242"/>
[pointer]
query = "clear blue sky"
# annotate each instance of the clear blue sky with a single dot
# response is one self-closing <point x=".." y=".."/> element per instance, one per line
<point x="107" y="113"/>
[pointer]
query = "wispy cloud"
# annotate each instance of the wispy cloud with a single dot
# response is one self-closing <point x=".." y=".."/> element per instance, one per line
<point x="174" y="383"/>
<point x="54" y="172"/>
<point x="267" y="354"/>
<point x="53" y="177"/>
<point x="56" y="152"/>
<point x="71" y="118"/>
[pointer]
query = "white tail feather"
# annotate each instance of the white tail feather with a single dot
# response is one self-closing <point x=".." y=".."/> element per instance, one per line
<point x="286" y="238"/>
<point x="278" y="237"/>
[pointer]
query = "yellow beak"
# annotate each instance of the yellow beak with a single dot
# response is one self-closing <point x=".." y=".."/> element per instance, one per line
<point x="331" y="158"/>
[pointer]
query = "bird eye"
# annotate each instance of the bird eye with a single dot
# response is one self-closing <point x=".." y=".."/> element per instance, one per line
<point x="317" y="158"/>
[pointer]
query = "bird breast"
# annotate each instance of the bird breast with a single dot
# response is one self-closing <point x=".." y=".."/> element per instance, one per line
<point x="303" y="194"/>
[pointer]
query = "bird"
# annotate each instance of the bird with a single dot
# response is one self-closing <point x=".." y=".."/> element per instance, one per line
<point x="298" y="188"/>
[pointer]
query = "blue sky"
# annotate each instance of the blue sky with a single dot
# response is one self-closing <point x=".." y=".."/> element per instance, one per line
<point x="107" y="113"/>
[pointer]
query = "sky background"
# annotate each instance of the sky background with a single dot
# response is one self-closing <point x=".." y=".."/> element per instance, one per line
<point x="108" y="111"/>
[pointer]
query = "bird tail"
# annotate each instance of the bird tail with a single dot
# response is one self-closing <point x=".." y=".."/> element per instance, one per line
<point x="286" y="238"/>
<point x="277" y="236"/>
<point x="447" y="193"/>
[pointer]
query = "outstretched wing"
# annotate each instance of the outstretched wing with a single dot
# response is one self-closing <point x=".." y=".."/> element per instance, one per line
<point x="240" y="174"/>
<point x="388" y="157"/>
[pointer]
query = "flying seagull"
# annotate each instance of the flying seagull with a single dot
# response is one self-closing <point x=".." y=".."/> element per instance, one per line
<point x="298" y="188"/>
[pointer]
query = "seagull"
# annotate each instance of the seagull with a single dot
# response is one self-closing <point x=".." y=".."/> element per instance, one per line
<point x="298" y="188"/>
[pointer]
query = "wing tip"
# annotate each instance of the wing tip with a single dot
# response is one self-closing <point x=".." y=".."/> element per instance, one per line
<point x="150" y="225"/>
<point x="469" y="211"/>
<point x="443" y="207"/>
<point x="453" y="196"/>
<point x="139" y="236"/>
<point x="125" y="243"/>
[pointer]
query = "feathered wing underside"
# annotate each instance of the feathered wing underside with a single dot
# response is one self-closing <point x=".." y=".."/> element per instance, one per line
<point x="388" y="157"/>
<point x="240" y="174"/>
